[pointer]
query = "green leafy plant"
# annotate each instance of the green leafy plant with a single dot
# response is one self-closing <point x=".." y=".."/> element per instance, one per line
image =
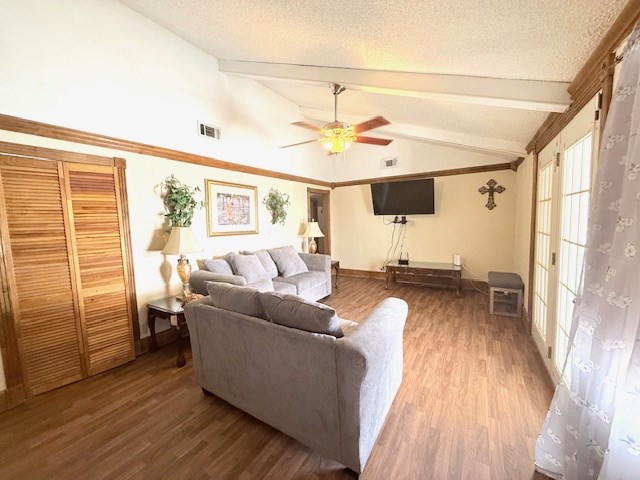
<point x="276" y="203"/>
<point x="180" y="202"/>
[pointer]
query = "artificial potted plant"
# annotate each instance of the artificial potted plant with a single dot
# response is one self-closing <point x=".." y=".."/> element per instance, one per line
<point x="276" y="203"/>
<point x="180" y="203"/>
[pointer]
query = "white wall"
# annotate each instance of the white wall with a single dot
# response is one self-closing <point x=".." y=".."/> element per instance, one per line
<point x="100" y="67"/>
<point x="462" y="224"/>
<point x="522" y="239"/>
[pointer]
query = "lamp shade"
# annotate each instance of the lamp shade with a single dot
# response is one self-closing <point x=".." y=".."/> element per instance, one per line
<point x="181" y="241"/>
<point x="313" y="230"/>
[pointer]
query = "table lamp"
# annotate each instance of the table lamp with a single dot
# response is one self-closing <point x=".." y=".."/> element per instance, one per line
<point x="181" y="242"/>
<point x="312" y="232"/>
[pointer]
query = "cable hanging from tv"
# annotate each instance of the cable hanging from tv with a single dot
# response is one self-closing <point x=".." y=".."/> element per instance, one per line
<point x="395" y="242"/>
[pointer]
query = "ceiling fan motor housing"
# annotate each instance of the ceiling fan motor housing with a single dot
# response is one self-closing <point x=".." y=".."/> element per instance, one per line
<point x="337" y="136"/>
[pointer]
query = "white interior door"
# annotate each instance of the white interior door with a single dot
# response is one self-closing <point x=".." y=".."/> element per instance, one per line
<point x="544" y="259"/>
<point x="576" y="167"/>
<point x="565" y="170"/>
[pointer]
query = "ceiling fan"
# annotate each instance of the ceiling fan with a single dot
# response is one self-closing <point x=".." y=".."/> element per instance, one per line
<point x="337" y="136"/>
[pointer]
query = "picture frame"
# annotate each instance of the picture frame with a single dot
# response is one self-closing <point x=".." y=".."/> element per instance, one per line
<point x="232" y="208"/>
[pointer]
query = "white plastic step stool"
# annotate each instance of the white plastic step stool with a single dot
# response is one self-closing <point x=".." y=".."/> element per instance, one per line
<point x="505" y="294"/>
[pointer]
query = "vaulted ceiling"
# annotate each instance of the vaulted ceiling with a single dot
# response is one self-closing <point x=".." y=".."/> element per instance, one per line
<point x="478" y="74"/>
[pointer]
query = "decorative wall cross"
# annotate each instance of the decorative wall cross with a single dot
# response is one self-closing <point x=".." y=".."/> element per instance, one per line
<point x="493" y="188"/>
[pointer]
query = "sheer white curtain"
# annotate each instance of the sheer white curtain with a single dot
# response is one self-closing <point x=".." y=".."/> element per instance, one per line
<point x="592" y="429"/>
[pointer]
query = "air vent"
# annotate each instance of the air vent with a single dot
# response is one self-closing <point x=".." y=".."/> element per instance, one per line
<point x="209" y="131"/>
<point x="389" y="162"/>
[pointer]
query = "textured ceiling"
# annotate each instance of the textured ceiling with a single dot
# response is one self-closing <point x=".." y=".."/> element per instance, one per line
<point x="537" y="40"/>
<point x="544" y="40"/>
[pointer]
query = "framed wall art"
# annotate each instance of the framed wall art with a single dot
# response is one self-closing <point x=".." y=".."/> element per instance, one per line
<point x="232" y="209"/>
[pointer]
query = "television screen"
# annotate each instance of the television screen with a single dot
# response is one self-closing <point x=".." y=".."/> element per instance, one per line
<point x="413" y="197"/>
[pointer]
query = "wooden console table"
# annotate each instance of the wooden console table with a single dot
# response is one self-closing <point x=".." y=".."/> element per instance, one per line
<point x="427" y="269"/>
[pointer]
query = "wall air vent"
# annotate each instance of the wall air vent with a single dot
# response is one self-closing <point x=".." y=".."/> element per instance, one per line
<point x="209" y="131"/>
<point x="389" y="162"/>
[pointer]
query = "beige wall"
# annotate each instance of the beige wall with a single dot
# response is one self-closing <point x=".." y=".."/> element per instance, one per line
<point x="462" y="224"/>
<point x="154" y="272"/>
<point x="522" y="238"/>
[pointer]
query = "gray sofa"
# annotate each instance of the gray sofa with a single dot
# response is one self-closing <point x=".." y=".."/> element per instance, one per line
<point x="331" y="391"/>
<point x="281" y="269"/>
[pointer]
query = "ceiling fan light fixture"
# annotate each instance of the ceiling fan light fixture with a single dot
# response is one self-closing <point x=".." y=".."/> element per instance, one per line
<point x="337" y="136"/>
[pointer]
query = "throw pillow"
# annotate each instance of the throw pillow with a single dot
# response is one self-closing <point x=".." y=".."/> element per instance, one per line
<point x="288" y="261"/>
<point x="266" y="261"/>
<point x="217" y="265"/>
<point x="296" y="312"/>
<point x="237" y="299"/>
<point x="248" y="266"/>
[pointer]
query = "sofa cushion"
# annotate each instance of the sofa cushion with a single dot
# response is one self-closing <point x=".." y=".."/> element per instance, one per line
<point x="245" y="300"/>
<point x="305" y="281"/>
<point x="263" y="285"/>
<point x="295" y="312"/>
<point x="200" y="277"/>
<point x="217" y="265"/>
<point x="283" y="287"/>
<point x="266" y="261"/>
<point x="249" y="267"/>
<point x="288" y="261"/>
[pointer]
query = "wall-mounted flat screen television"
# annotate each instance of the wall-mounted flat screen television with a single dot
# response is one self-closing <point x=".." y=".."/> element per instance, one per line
<point x="412" y="197"/>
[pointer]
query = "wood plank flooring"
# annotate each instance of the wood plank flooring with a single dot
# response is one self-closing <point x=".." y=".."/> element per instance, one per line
<point x="473" y="398"/>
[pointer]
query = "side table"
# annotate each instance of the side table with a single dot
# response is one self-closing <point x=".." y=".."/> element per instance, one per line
<point x="335" y="265"/>
<point x="169" y="308"/>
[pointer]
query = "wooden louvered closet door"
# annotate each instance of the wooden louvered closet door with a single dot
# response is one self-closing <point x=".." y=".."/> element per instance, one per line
<point x="64" y="266"/>
<point x="99" y="246"/>
<point x="42" y="287"/>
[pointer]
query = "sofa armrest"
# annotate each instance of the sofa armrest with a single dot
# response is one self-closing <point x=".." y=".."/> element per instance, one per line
<point x="369" y="368"/>
<point x="317" y="262"/>
<point x="199" y="277"/>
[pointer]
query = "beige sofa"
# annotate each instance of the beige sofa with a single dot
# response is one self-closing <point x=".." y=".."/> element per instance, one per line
<point x="331" y="391"/>
<point x="281" y="269"/>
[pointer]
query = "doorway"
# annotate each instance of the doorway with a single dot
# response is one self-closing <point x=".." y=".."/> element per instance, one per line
<point x="566" y="168"/>
<point x="319" y="209"/>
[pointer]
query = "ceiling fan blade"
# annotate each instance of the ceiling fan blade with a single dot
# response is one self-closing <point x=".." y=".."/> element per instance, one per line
<point x="300" y="143"/>
<point x="373" y="141"/>
<point x="371" y="124"/>
<point x="307" y="126"/>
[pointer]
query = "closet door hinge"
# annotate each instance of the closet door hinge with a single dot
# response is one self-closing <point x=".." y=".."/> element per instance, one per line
<point x="553" y="258"/>
<point x="596" y="114"/>
<point x="557" y="159"/>
<point x="549" y="352"/>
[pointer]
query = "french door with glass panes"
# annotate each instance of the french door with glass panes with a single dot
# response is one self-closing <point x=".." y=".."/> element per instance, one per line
<point x="565" y="172"/>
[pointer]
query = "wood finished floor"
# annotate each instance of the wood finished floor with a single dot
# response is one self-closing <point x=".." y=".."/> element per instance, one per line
<point x="473" y="398"/>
